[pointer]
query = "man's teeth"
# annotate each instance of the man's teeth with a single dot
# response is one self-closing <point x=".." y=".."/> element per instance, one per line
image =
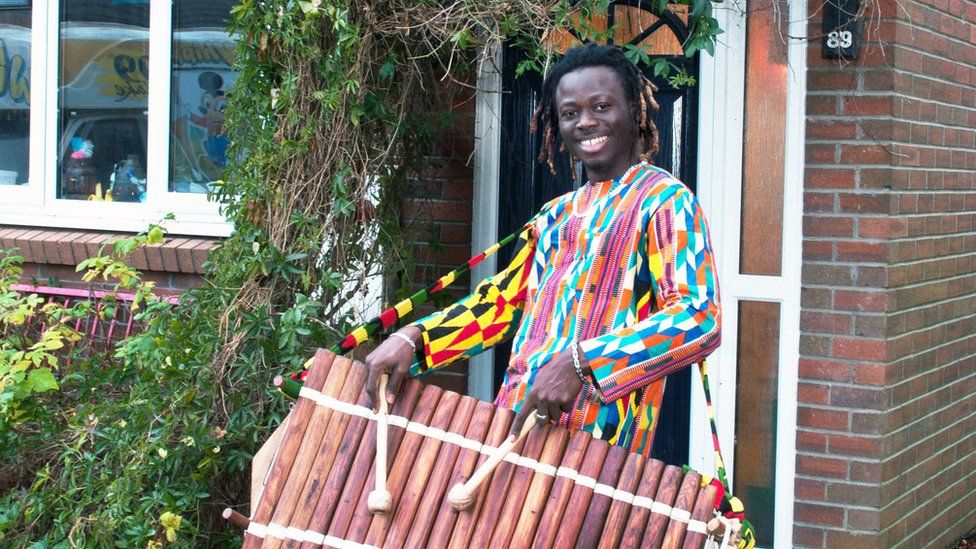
<point x="594" y="141"/>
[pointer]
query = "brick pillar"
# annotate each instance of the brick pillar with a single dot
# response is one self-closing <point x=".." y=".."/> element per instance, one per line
<point x="886" y="420"/>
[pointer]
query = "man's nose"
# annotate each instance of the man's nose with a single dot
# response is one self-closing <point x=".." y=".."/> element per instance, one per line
<point x="586" y="120"/>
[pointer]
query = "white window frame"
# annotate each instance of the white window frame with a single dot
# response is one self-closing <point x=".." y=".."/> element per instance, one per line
<point x="36" y="203"/>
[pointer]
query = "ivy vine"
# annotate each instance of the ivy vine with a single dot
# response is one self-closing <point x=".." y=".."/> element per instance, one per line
<point x="331" y="110"/>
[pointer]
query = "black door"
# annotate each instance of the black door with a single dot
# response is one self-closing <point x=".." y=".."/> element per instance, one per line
<point x="525" y="185"/>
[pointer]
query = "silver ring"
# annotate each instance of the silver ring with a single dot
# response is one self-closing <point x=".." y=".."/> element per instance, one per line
<point x="541" y="417"/>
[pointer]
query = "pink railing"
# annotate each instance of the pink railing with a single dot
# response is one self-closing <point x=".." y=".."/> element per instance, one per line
<point x="96" y="330"/>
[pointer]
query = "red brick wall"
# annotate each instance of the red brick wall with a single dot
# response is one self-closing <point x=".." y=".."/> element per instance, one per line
<point x="441" y="213"/>
<point x="887" y="395"/>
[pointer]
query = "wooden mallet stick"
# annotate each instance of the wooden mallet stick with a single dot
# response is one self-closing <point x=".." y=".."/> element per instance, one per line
<point x="462" y="496"/>
<point x="380" y="500"/>
<point x="238" y="519"/>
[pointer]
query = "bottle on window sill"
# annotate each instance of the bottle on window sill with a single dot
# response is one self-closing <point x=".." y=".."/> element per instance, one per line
<point x="80" y="177"/>
<point x="129" y="180"/>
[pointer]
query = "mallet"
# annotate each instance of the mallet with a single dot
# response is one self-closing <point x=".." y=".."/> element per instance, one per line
<point x="380" y="500"/>
<point x="462" y="496"/>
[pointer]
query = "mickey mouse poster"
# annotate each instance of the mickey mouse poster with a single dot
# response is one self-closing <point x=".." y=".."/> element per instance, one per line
<point x="200" y="145"/>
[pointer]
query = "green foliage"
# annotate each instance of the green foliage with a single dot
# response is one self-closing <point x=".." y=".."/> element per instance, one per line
<point x="88" y="438"/>
<point x="583" y="18"/>
<point x="34" y="331"/>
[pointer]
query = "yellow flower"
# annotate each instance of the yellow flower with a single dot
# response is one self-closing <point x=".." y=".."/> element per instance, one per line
<point x="171" y="522"/>
<point x="162" y="453"/>
<point x="153" y="544"/>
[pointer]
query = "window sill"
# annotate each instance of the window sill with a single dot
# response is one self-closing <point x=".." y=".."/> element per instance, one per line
<point x="197" y="217"/>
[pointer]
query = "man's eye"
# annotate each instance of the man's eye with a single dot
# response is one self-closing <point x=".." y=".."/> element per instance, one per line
<point x="602" y="107"/>
<point x="568" y="114"/>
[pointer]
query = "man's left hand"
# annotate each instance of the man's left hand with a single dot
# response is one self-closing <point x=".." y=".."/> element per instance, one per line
<point x="554" y="391"/>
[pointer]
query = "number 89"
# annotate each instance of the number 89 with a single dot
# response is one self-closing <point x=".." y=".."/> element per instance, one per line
<point x="840" y="39"/>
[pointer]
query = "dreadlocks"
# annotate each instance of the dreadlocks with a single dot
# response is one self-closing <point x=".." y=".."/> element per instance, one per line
<point x="640" y="94"/>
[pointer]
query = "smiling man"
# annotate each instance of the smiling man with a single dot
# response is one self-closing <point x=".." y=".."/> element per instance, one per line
<point x="613" y="286"/>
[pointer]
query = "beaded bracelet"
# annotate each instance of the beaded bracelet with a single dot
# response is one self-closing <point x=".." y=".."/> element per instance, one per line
<point x="576" y="363"/>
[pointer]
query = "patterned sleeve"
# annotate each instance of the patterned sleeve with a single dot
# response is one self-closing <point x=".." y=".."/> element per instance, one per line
<point x="685" y="327"/>
<point x="485" y="318"/>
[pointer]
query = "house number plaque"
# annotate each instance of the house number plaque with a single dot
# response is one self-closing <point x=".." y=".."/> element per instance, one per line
<point x="841" y="29"/>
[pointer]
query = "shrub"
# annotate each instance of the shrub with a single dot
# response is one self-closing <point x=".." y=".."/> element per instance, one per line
<point x="99" y="447"/>
<point x="33" y="331"/>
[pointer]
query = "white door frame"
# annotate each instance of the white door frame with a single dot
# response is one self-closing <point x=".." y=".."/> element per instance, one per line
<point x="721" y="99"/>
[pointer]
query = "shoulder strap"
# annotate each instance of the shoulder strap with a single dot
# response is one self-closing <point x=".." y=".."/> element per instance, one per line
<point x="710" y="412"/>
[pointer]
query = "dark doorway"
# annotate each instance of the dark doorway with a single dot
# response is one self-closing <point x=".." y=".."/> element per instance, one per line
<point x="525" y="185"/>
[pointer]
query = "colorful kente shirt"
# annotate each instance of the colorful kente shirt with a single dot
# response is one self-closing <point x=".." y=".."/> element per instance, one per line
<point x="625" y="267"/>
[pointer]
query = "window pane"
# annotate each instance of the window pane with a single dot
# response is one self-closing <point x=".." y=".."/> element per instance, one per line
<point x="764" y="150"/>
<point x="202" y="56"/>
<point x="631" y="22"/>
<point x="15" y="36"/>
<point x="104" y="75"/>
<point x="757" y="385"/>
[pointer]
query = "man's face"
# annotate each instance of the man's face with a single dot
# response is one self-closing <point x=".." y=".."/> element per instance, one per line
<point x="596" y="121"/>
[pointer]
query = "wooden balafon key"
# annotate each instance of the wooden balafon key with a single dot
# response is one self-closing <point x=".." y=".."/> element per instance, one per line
<point x="543" y="489"/>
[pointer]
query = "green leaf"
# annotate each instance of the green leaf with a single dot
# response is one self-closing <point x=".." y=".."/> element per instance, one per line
<point x="632" y="53"/>
<point x="53" y="343"/>
<point x="155" y="235"/>
<point x="660" y="67"/>
<point x="42" y="380"/>
<point x="387" y="70"/>
<point x="125" y="245"/>
<point x="354" y="115"/>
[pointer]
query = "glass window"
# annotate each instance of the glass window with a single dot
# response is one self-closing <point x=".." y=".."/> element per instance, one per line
<point x="764" y="149"/>
<point x="15" y="48"/>
<point x="757" y="387"/>
<point x="103" y="87"/>
<point x="203" y="53"/>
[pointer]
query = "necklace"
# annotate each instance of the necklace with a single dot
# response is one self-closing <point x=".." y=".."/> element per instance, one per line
<point x="579" y="211"/>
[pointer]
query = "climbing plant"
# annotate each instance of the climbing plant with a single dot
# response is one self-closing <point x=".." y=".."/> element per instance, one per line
<point x="332" y="109"/>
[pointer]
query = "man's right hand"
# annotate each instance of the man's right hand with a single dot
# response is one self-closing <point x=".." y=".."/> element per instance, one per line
<point x="394" y="357"/>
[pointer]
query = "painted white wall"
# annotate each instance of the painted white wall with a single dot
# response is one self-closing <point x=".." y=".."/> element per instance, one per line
<point x="484" y="223"/>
